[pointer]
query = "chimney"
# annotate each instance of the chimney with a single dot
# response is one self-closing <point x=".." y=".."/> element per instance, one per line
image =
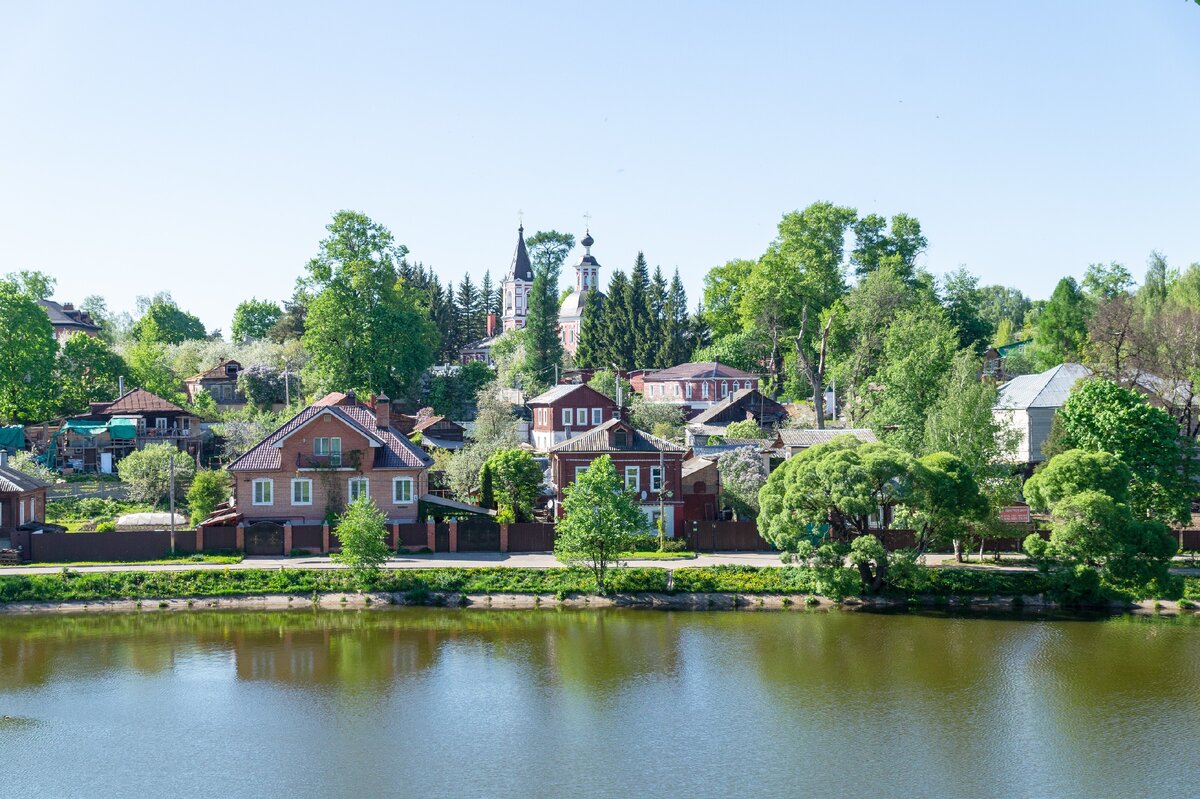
<point x="66" y="306"/>
<point x="491" y="325"/>
<point x="383" y="412"/>
<point x="351" y="397"/>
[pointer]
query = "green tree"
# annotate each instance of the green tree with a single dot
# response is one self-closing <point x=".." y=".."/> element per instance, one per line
<point x="947" y="506"/>
<point x="742" y="476"/>
<point x="675" y="344"/>
<point x="1074" y="472"/>
<point x="150" y="364"/>
<point x="724" y="287"/>
<point x="487" y="492"/>
<point x="1157" y="284"/>
<point x="962" y="300"/>
<point x="208" y="490"/>
<point x="146" y="473"/>
<point x="1185" y="291"/>
<point x="876" y="247"/>
<point x="28" y="463"/>
<point x="639" y="315"/>
<point x="517" y="480"/>
<point x="839" y="487"/>
<point x="362" y="532"/>
<point x="1100" y="416"/>
<point x="253" y="319"/>
<point x="744" y="428"/>
<point x="999" y="304"/>
<point x="290" y="325"/>
<point x="599" y="522"/>
<point x="364" y="328"/>
<point x="618" y="326"/>
<point x="605" y="381"/>
<point x="592" y="349"/>
<point x="1105" y="281"/>
<point x="26" y="357"/>
<point x="37" y="285"/>
<point x="646" y="415"/>
<point x="164" y="322"/>
<point x="1062" y="326"/>
<point x="85" y="371"/>
<point x="543" y="347"/>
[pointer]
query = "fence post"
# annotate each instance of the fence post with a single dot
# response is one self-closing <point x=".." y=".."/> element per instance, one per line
<point x="325" y="538"/>
<point x="395" y="536"/>
<point x="287" y="539"/>
<point x="454" y="535"/>
<point x="199" y="539"/>
<point x="239" y="541"/>
<point x="504" y="537"/>
<point x="430" y="534"/>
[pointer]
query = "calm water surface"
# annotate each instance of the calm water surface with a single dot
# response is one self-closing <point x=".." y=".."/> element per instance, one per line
<point x="444" y="703"/>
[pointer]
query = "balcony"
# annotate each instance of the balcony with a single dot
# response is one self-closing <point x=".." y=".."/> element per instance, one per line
<point x="152" y="434"/>
<point x="345" y="461"/>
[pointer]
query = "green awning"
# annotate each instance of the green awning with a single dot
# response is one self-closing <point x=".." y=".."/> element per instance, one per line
<point x="122" y="429"/>
<point x="117" y="429"/>
<point x="12" y="438"/>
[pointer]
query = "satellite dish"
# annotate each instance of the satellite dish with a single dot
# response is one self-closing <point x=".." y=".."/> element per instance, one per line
<point x="644" y="495"/>
<point x="550" y="504"/>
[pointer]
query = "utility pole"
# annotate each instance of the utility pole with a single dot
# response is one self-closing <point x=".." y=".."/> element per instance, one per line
<point x="287" y="388"/>
<point x="172" y="472"/>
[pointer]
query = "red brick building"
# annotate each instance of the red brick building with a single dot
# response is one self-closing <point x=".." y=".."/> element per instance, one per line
<point x="695" y="385"/>
<point x="649" y="466"/>
<point x="22" y="498"/>
<point x="327" y="455"/>
<point x="566" y="411"/>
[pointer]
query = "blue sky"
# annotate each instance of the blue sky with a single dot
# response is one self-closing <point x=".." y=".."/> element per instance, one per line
<point x="201" y="148"/>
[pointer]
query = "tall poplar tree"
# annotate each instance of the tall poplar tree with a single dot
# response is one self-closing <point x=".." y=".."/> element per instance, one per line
<point x="544" y="350"/>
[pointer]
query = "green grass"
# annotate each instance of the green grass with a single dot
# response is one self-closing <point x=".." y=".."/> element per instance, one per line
<point x="179" y="561"/>
<point x="658" y="556"/>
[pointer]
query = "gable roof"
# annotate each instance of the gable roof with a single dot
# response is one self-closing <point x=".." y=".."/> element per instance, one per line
<point x="686" y="371"/>
<point x="390" y="449"/>
<point x="136" y="401"/>
<point x="597" y="440"/>
<point x="521" y="268"/>
<point x="430" y="421"/>
<point x="217" y="371"/>
<point x="1047" y="389"/>
<point x="558" y="392"/>
<point x="17" y="481"/>
<point x="752" y="398"/>
<point x="810" y="438"/>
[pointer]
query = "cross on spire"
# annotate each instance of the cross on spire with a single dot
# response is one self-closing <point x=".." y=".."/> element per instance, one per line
<point x="587" y="221"/>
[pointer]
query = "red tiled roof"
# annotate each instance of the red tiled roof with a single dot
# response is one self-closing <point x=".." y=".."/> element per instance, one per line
<point x="395" y="452"/>
<point x="686" y="371"/>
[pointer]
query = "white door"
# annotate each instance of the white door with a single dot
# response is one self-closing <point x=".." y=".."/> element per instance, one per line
<point x="106" y="462"/>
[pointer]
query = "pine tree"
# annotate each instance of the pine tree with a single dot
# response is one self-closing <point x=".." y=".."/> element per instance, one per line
<point x="593" y="349"/>
<point x="467" y="307"/>
<point x="618" y="334"/>
<point x="489" y="295"/>
<point x="657" y="303"/>
<point x="675" y="341"/>
<point x="637" y="309"/>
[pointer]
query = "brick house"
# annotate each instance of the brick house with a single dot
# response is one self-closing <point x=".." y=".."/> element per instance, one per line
<point x="22" y="498"/>
<point x="327" y="455"/>
<point x="701" y="489"/>
<point x="566" y="411"/>
<point x="220" y="382"/>
<point x="650" y="467"/>
<point x="695" y="385"/>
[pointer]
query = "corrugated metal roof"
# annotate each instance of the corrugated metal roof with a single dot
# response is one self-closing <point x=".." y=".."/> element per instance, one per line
<point x="693" y="370"/>
<point x="15" y="480"/>
<point x="810" y="438"/>
<point x="554" y="394"/>
<point x="1047" y="389"/>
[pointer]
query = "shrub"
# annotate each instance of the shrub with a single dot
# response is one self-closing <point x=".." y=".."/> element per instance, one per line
<point x="107" y="526"/>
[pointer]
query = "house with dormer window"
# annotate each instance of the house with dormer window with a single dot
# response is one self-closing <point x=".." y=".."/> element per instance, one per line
<point x="649" y="466"/>
<point x="326" y="456"/>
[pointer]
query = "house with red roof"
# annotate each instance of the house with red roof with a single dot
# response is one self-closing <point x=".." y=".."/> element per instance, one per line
<point x="695" y="385"/>
<point x="328" y="455"/>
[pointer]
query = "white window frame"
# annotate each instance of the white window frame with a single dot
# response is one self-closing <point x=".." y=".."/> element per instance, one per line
<point x="350" y="496"/>
<point x="704" y="390"/>
<point x="579" y="470"/>
<point x="396" y="482"/>
<point x="567" y="416"/>
<point x="597" y="416"/>
<point x="160" y="424"/>
<point x="331" y="448"/>
<point x="736" y="386"/>
<point x="256" y="495"/>
<point x="687" y="390"/>
<point x="636" y="473"/>
<point x="676" y="391"/>
<point x="656" y="479"/>
<point x="21" y="511"/>
<point x="581" y="417"/>
<point x="301" y="481"/>
<point x="724" y="389"/>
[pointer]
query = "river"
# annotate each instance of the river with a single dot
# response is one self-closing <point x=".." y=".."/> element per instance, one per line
<point x="415" y="702"/>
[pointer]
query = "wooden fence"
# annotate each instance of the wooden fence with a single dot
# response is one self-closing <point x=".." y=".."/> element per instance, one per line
<point x="530" y="537"/>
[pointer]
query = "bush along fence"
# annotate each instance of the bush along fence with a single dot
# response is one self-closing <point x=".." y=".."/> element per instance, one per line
<point x="420" y="586"/>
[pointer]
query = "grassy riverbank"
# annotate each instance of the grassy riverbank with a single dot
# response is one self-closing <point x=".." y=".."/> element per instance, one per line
<point x="417" y="583"/>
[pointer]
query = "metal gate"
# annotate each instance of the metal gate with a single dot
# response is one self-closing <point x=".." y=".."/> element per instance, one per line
<point x="478" y="535"/>
<point x="264" y="538"/>
<point x="441" y="537"/>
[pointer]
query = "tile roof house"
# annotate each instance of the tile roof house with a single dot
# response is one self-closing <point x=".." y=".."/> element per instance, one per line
<point x="329" y="454"/>
<point x="1029" y="403"/>
<point x="565" y="411"/>
<point x="651" y="467"/>
<point x="67" y="320"/>
<point x="695" y="385"/>
<point x="111" y="430"/>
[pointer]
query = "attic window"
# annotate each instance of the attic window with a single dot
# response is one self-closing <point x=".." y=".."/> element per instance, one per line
<point x="621" y="438"/>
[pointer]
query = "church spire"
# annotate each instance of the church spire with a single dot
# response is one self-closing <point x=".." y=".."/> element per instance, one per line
<point x="521" y="268"/>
